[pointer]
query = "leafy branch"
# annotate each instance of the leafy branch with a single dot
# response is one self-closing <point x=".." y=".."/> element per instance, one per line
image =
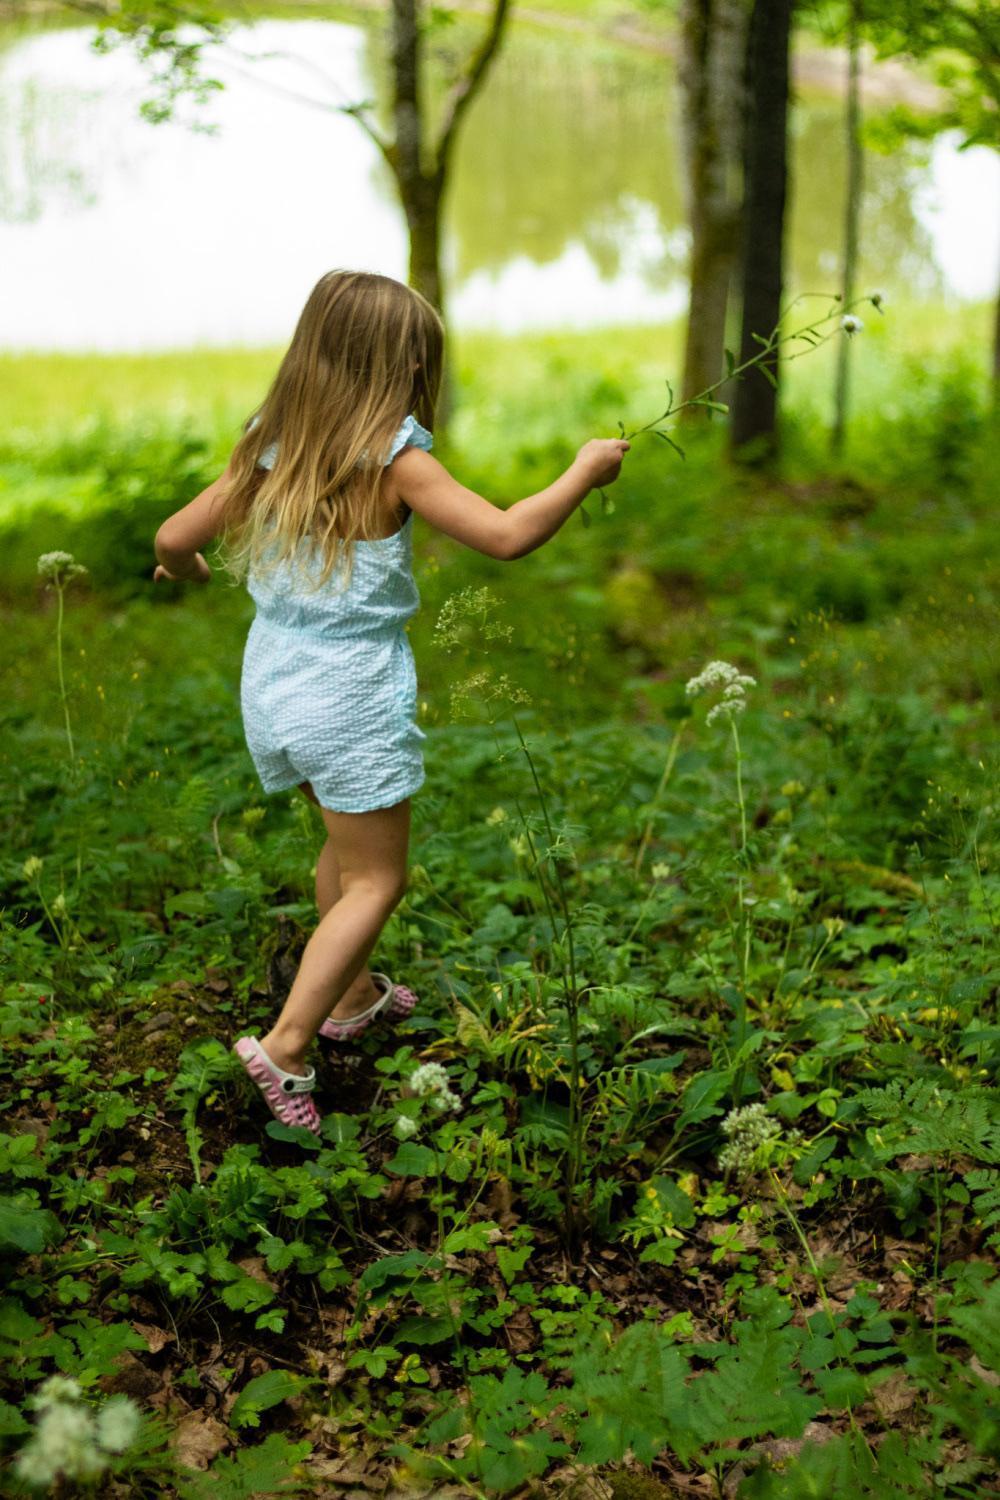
<point x="813" y="334"/>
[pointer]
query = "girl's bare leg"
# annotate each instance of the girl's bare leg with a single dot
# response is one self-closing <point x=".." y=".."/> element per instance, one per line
<point x="361" y="993"/>
<point x="371" y="853"/>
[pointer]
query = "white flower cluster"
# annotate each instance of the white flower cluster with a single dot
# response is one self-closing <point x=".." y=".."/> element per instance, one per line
<point x="405" y="1127"/>
<point x="70" y="1440"/>
<point x="59" y="567"/>
<point x="431" y="1082"/>
<point x="748" y="1129"/>
<point x="734" y="686"/>
<point x="473" y="607"/>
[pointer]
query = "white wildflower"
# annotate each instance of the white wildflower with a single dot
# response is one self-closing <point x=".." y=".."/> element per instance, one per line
<point x="56" y="1389"/>
<point x="59" y="566"/>
<point x="69" y="1441"/>
<point x="750" y="1129"/>
<point x="64" y="1442"/>
<point x="118" y="1424"/>
<point x="733" y="682"/>
<point x="719" y="674"/>
<point x="431" y="1082"/>
<point x="851" y="324"/>
<point x="405" y="1127"/>
<point x="728" y="707"/>
<point x="32" y="867"/>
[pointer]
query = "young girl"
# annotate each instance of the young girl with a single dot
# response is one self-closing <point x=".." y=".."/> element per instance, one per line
<point x="315" y="506"/>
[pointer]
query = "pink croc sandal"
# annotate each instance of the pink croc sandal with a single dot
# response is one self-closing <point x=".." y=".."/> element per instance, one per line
<point x="286" y="1094"/>
<point x="395" y="1000"/>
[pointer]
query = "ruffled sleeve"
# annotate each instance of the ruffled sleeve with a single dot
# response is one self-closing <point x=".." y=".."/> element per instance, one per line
<point x="269" y="457"/>
<point x="410" y="435"/>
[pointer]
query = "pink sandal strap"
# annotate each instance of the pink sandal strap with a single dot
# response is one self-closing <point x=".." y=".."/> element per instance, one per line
<point x="395" y="999"/>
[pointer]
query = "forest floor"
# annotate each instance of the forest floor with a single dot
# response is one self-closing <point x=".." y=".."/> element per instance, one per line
<point x="717" y="1212"/>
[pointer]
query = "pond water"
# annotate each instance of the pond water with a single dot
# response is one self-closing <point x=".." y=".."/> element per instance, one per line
<point x="566" y="206"/>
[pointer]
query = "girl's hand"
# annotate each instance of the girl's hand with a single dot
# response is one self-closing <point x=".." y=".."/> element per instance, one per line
<point x="601" y="459"/>
<point x="201" y="572"/>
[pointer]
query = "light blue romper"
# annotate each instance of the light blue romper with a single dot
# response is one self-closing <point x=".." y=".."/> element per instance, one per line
<point x="329" y="686"/>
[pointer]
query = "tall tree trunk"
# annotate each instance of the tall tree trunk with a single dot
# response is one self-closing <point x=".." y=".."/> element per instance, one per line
<point x="714" y="39"/>
<point x="419" y="166"/>
<point x="754" y="427"/>
<point x="852" y="221"/>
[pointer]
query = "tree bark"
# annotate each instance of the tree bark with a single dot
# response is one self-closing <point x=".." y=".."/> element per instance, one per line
<point x="421" y="168"/>
<point x="713" y="50"/>
<point x="754" y="427"/>
<point x="852" y="222"/>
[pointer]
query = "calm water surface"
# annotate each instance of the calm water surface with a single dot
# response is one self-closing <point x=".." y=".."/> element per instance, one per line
<point x="566" y="206"/>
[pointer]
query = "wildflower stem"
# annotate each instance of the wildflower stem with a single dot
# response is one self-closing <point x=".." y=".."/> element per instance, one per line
<point x="743" y="949"/>
<point x="446" y="1301"/>
<point x="807" y="333"/>
<point x="661" y="788"/>
<point x="843" y="1359"/>
<point x="572" y="997"/>
<point x="59" y="663"/>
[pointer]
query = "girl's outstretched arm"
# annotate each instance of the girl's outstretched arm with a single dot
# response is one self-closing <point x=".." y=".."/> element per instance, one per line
<point x="179" y="541"/>
<point x="426" y="487"/>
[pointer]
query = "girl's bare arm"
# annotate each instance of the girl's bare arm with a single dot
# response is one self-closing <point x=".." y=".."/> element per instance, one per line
<point x="179" y="541"/>
<point x="426" y="487"/>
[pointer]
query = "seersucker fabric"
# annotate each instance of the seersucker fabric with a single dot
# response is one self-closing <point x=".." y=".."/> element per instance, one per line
<point x="328" y="689"/>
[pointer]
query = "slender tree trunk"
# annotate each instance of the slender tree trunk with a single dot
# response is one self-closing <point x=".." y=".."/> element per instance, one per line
<point x="422" y="206"/>
<point x="419" y="165"/>
<point x="713" y="36"/>
<point x="852" y="222"/>
<point x="420" y="183"/>
<point x="754" y="429"/>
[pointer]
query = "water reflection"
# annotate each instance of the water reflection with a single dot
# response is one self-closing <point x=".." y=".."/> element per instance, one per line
<point x="566" y="206"/>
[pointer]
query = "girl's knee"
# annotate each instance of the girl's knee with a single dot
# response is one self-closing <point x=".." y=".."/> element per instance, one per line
<point x="385" y="887"/>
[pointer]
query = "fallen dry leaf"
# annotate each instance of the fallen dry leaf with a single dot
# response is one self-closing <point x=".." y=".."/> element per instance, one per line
<point x="155" y="1337"/>
<point x="198" y="1438"/>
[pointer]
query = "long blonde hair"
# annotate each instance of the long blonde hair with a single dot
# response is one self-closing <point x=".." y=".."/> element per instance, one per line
<point x="367" y="351"/>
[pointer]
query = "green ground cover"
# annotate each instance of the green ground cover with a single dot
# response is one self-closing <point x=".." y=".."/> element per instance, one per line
<point x="718" y="1211"/>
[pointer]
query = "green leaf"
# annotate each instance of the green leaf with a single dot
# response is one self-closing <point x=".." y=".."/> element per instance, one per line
<point x="470" y="1237"/>
<point x="413" y="1160"/>
<point x="658" y="432"/>
<point x="807" y="1166"/>
<point x="510" y="1262"/>
<point x="262" y="1470"/>
<point x="393" y="1268"/>
<point x="700" y="1099"/>
<point x="841" y="1388"/>
<point x="260" y="1394"/>
<point x="422" y="1330"/>
<point x="247" y="1294"/>
<point x="12" y="1424"/>
<point x="26" y="1229"/>
<point x="584" y="516"/>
